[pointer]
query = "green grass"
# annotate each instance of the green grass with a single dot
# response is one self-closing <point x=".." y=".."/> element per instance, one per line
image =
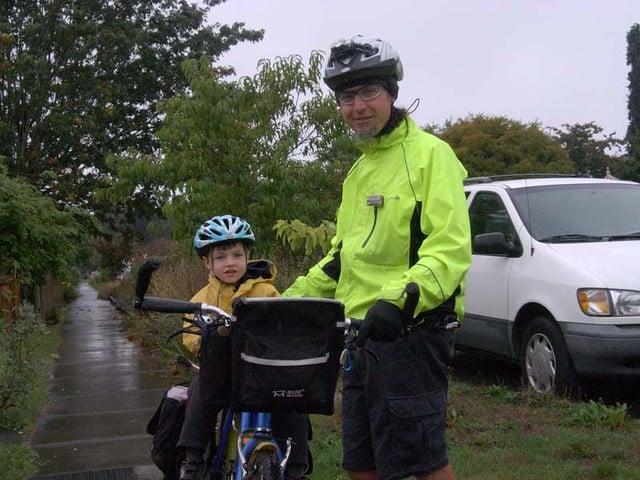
<point x="20" y="461"/>
<point x="531" y="436"/>
<point x="326" y="448"/>
<point x="497" y="432"/>
<point x="44" y="349"/>
<point x="17" y="461"/>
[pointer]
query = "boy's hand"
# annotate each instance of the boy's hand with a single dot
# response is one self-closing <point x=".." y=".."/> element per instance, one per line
<point x="223" y="331"/>
<point x="383" y="322"/>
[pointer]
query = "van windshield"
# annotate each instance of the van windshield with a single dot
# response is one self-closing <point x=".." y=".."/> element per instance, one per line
<point x="580" y="213"/>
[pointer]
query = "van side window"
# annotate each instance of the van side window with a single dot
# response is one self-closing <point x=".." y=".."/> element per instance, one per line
<point x="487" y="214"/>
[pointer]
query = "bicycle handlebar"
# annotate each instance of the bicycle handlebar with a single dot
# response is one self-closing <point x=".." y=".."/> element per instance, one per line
<point x="352" y="322"/>
<point x="144" y="277"/>
<point x="411" y="302"/>
<point x="168" y="305"/>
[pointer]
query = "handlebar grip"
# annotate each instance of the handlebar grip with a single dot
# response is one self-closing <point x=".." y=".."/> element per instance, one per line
<point x="411" y="302"/>
<point x="144" y="278"/>
<point x="354" y="322"/>
<point x="165" y="305"/>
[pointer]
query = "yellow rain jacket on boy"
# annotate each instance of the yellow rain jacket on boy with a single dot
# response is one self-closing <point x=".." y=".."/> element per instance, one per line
<point x="257" y="282"/>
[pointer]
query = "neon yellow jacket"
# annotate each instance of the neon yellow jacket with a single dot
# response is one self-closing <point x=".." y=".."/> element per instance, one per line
<point x="257" y="282"/>
<point x="403" y="217"/>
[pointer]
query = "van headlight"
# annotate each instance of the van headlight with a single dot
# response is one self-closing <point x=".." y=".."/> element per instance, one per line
<point x="602" y="302"/>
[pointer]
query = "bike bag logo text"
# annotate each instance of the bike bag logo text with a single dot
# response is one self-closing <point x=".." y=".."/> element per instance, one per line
<point x="295" y="393"/>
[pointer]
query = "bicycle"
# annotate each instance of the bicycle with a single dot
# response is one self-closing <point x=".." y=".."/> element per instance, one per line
<point x="264" y="461"/>
<point x="271" y="372"/>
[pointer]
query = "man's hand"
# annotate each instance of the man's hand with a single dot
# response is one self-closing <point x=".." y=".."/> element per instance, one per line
<point x="383" y="322"/>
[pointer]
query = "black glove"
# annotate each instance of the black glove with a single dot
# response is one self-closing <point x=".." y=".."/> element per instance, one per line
<point x="383" y="322"/>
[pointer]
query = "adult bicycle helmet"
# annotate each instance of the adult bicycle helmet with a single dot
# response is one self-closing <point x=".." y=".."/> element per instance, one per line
<point x="222" y="229"/>
<point x="358" y="59"/>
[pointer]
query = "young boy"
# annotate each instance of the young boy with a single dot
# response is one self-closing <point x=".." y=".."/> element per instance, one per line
<point x="223" y="242"/>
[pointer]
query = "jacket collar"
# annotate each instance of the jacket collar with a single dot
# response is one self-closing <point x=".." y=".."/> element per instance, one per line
<point x="258" y="271"/>
<point x="395" y="137"/>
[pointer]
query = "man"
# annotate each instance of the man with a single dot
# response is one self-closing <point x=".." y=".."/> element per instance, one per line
<point x="403" y="219"/>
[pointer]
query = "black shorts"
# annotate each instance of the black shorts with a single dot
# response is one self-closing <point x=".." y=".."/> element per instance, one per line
<point x="394" y="405"/>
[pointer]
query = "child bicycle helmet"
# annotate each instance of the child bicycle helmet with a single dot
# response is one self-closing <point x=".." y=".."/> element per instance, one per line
<point x="358" y="59"/>
<point x="222" y="229"/>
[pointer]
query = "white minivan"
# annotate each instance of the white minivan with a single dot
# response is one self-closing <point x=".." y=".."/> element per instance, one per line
<point x="555" y="278"/>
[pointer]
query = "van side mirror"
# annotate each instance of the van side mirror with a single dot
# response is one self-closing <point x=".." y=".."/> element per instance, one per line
<point x="495" y="243"/>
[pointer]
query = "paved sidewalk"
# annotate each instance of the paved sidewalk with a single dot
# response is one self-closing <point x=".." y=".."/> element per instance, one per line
<point x="103" y="392"/>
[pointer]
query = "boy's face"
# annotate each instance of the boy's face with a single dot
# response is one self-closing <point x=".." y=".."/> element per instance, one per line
<point x="227" y="262"/>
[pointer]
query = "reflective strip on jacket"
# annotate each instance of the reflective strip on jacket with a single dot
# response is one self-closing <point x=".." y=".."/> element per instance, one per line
<point x="403" y="217"/>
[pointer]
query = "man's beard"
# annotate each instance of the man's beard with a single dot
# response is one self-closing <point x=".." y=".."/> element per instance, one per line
<point x="364" y="134"/>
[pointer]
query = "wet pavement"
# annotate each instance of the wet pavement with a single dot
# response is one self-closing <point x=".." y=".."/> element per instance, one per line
<point x="103" y="392"/>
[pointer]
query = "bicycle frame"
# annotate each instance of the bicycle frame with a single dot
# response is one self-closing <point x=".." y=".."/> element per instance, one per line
<point x="258" y="426"/>
<point x="254" y="435"/>
<point x="254" y="432"/>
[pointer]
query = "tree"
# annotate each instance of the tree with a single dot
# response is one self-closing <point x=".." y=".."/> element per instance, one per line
<point x="316" y="184"/>
<point x="80" y="79"/>
<point x="588" y="153"/>
<point x="499" y="145"/>
<point x="36" y="238"/>
<point x="242" y="147"/>
<point x="304" y="240"/>
<point x="632" y="170"/>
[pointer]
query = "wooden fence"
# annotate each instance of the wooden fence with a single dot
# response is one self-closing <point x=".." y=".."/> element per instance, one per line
<point x="9" y="298"/>
<point x="46" y="298"/>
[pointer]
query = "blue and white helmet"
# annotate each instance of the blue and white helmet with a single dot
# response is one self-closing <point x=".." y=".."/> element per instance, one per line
<point x="222" y="229"/>
<point x="359" y="58"/>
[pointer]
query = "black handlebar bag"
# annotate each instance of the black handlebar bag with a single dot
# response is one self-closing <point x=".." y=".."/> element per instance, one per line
<point x="286" y="354"/>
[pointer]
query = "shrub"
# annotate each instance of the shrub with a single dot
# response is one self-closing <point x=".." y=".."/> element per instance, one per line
<point x="19" y="367"/>
<point x="597" y="414"/>
<point x="18" y="461"/>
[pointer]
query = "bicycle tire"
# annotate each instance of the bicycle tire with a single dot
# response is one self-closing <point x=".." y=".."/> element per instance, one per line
<point x="264" y="466"/>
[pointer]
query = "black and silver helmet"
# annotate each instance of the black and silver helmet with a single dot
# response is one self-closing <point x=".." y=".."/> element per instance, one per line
<point x="361" y="58"/>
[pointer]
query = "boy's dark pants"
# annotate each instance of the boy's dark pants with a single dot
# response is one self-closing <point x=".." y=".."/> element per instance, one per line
<point x="196" y="430"/>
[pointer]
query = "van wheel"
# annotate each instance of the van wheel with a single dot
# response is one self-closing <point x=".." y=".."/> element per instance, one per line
<point x="545" y="361"/>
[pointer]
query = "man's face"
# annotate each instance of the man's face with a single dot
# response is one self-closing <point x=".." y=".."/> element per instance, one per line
<point x="227" y="262"/>
<point x="365" y="109"/>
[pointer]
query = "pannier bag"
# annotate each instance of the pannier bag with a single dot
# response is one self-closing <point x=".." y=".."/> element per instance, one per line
<point x="165" y="426"/>
<point x="286" y="354"/>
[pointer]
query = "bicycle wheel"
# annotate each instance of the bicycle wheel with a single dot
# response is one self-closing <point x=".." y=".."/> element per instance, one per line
<point x="264" y="466"/>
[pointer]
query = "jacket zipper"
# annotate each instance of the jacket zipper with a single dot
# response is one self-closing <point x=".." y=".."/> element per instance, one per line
<point x="373" y="227"/>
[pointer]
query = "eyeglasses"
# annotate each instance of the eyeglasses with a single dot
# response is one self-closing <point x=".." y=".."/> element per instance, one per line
<point x="366" y="94"/>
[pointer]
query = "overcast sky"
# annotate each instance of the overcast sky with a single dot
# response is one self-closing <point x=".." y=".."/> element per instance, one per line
<point x="554" y="62"/>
